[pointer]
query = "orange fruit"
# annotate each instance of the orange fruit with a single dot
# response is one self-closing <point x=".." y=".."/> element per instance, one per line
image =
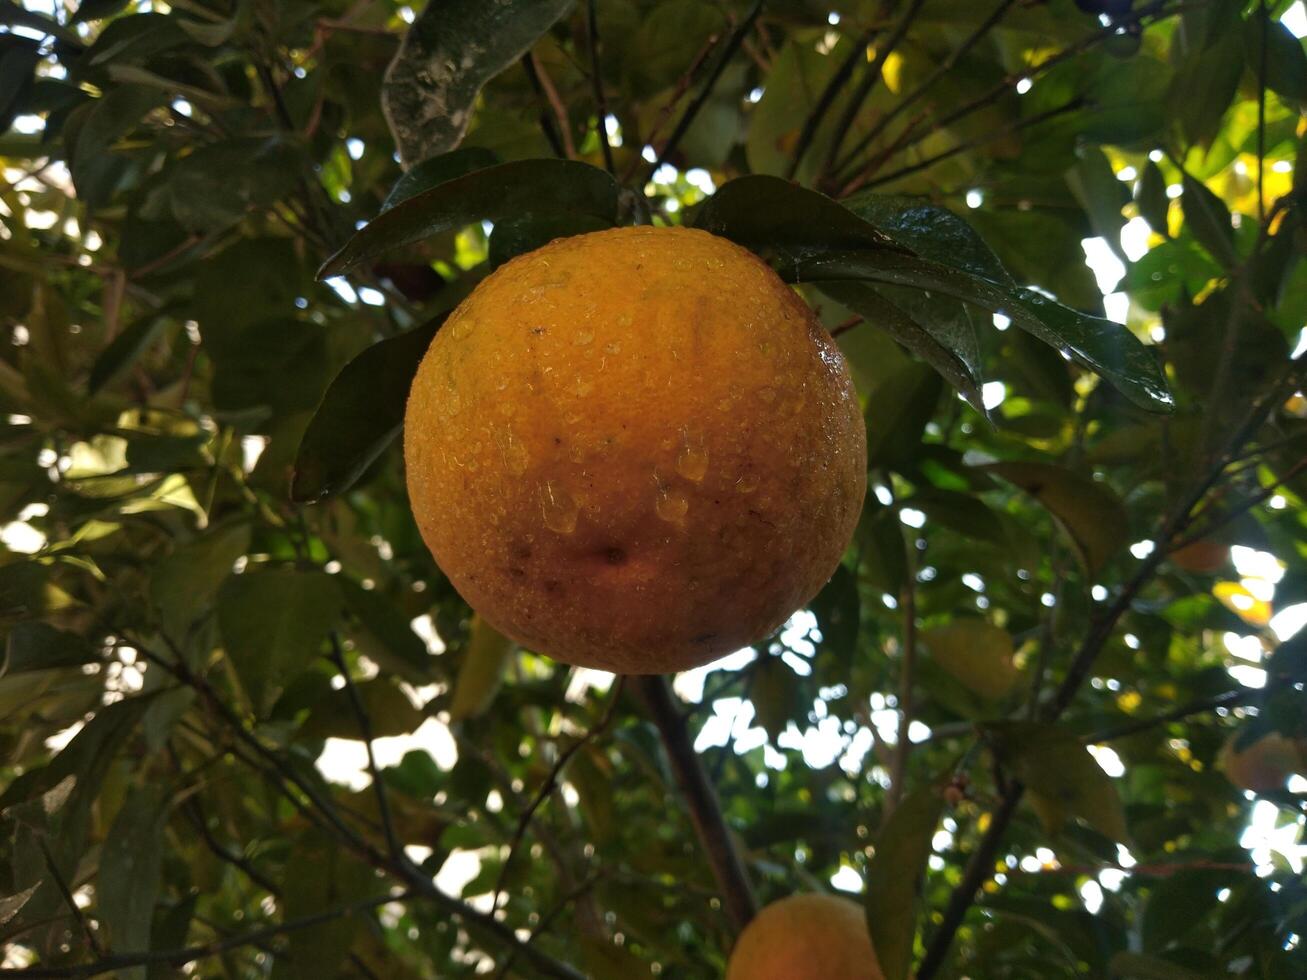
<point x="806" y="937"/>
<point x="635" y="450"/>
<point x="1265" y="765"/>
<point x="1203" y="557"/>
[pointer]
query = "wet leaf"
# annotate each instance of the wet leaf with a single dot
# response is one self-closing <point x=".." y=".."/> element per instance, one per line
<point x="361" y="413"/>
<point x="509" y="190"/>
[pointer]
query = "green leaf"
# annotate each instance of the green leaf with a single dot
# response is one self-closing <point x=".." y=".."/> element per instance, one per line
<point x="184" y="584"/>
<point x="897" y="412"/>
<point x="1286" y="62"/>
<point x="1209" y="220"/>
<point x="894" y="876"/>
<point x="384" y="633"/>
<point x="95" y="169"/>
<point x="19" y="57"/>
<point x="669" y="37"/>
<point x="89" y="10"/>
<point x="929" y="230"/>
<point x="768" y="214"/>
<point x="437" y="170"/>
<point x="509" y="190"/>
<point x="1205" y="84"/>
<point x="360" y="414"/>
<point x="776" y="695"/>
<point x="1105" y="347"/>
<point x="39" y="646"/>
<point x="321" y="875"/>
<point x="481" y="673"/>
<point x="1101" y="195"/>
<point x="1139" y="966"/>
<point x="1088" y="511"/>
<point x="1150" y="195"/>
<point x="124" y="350"/>
<point x="131" y="871"/>
<point x="839" y="615"/>
<point x="797" y="78"/>
<point x="1061" y="775"/>
<point x="389" y="711"/>
<point x="940" y="330"/>
<point x="449" y="53"/>
<point x="976" y="653"/>
<point x="517" y="236"/>
<point x="273" y="624"/>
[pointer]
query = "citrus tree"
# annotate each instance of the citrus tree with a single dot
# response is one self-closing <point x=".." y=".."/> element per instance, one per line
<point x="1046" y="718"/>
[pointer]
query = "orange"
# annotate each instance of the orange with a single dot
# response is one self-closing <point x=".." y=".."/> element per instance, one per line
<point x="1265" y="765"/>
<point x="635" y="450"/>
<point x="806" y="937"/>
<point x="1203" y="557"/>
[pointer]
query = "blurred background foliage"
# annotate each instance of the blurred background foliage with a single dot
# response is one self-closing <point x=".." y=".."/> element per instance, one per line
<point x="181" y="758"/>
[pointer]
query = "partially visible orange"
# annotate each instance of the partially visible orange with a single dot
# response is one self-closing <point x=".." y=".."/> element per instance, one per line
<point x="1204" y="556"/>
<point x="635" y="450"/>
<point x="1265" y="765"/>
<point x="806" y="937"/>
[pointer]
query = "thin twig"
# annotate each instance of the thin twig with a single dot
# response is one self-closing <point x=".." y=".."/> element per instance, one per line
<point x="833" y="88"/>
<point x="546" y="120"/>
<point x="678" y="93"/>
<point x="867" y="180"/>
<point x="551" y="782"/>
<point x="943" y="68"/>
<point x="555" y="102"/>
<point x="981" y="865"/>
<point x="705" y="810"/>
<point x="1261" y="112"/>
<point x="731" y="46"/>
<point x="1225" y="700"/>
<point x="907" y="670"/>
<point x="365" y="730"/>
<point x="66" y="893"/>
<point x="869" y="82"/>
<point x="597" y="81"/>
<point x="180" y="957"/>
<point x="919" y="131"/>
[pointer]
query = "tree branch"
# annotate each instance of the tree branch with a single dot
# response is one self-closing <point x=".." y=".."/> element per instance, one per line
<point x="1201" y="706"/>
<point x="942" y="69"/>
<point x="866" y="180"/>
<point x="731" y="46"/>
<point x="597" y="82"/>
<point x="365" y="730"/>
<point x="551" y="783"/>
<point x="981" y="864"/>
<point x="66" y="893"/>
<point x="869" y="81"/>
<point x="832" y="90"/>
<point x="705" y="810"/>
<point x="180" y="957"/>
<point x="907" y="670"/>
<point x="546" y="122"/>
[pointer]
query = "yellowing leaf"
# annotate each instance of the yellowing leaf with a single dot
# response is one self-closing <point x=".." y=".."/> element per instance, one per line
<point x="893" y="878"/>
<point x="1241" y="602"/>
<point x="482" y="672"/>
<point x="1090" y="513"/>
<point x="975" y="653"/>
